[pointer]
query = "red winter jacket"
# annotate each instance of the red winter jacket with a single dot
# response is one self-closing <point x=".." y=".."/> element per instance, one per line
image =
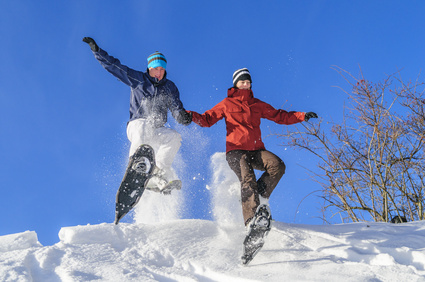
<point x="243" y="114"/>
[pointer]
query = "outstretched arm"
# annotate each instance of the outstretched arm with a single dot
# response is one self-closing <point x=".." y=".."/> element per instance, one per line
<point x="284" y="117"/>
<point x="125" y="74"/>
<point x="281" y="116"/>
<point x="210" y="117"/>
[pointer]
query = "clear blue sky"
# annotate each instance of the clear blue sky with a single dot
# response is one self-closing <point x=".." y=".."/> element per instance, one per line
<point x="63" y="146"/>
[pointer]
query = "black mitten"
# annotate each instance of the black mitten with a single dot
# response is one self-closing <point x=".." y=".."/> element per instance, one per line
<point x="91" y="43"/>
<point x="310" y="115"/>
<point x="184" y="118"/>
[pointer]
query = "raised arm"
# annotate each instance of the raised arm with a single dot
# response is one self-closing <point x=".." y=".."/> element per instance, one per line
<point x="123" y="73"/>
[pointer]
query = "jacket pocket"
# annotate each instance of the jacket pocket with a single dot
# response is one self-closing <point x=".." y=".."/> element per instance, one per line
<point x="239" y="114"/>
<point x="235" y="109"/>
<point x="255" y="117"/>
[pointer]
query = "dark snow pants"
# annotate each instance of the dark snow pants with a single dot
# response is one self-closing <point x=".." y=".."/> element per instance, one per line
<point x="243" y="164"/>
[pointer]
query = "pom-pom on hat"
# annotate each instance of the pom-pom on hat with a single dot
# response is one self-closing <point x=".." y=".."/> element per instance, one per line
<point x="157" y="59"/>
<point x="241" y="74"/>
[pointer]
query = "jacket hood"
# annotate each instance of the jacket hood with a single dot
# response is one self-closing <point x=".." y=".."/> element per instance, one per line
<point x="240" y="94"/>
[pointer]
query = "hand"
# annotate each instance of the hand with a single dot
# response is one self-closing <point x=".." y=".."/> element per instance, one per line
<point x="185" y="118"/>
<point x="310" y="115"/>
<point x="91" y="43"/>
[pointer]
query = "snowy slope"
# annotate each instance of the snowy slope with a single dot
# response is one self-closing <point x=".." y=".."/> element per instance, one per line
<point x="159" y="246"/>
<point x="199" y="250"/>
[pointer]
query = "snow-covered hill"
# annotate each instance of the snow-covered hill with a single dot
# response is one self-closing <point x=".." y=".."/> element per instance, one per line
<point x="161" y="247"/>
<point x="200" y="250"/>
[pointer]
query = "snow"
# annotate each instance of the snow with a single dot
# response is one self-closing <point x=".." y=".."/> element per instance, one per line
<point x="172" y="249"/>
<point x="201" y="250"/>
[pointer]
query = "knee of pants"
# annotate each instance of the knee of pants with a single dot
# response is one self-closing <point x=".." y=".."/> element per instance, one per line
<point x="175" y="136"/>
<point x="170" y="137"/>
<point x="277" y="168"/>
<point x="282" y="167"/>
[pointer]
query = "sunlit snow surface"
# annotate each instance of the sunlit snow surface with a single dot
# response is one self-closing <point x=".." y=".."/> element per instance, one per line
<point x="200" y="250"/>
<point x="161" y="247"/>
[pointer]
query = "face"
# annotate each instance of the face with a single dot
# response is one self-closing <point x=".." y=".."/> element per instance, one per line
<point x="243" y="84"/>
<point x="157" y="72"/>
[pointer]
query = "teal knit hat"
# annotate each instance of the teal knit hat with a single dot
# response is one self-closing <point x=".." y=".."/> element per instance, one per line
<point x="157" y="60"/>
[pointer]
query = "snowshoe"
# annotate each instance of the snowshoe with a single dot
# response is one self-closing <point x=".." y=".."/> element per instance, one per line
<point x="258" y="229"/>
<point x="139" y="170"/>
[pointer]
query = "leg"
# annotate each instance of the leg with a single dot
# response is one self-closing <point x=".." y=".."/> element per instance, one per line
<point x="168" y="144"/>
<point x="241" y="163"/>
<point x="165" y="141"/>
<point x="274" y="169"/>
<point x="139" y="132"/>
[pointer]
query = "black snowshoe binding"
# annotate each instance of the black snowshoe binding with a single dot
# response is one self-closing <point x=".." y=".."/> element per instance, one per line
<point x="258" y="229"/>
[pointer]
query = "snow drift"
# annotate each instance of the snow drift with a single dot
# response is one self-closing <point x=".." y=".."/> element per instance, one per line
<point x="200" y="250"/>
<point x="161" y="247"/>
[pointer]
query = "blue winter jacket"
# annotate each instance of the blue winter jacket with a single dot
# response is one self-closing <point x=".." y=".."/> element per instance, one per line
<point x="150" y="99"/>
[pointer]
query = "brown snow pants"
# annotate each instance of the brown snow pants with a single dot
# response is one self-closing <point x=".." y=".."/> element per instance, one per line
<point x="243" y="164"/>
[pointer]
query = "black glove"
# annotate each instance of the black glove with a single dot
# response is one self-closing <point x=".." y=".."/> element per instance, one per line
<point x="92" y="43"/>
<point x="184" y="118"/>
<point x="310" y="115"/>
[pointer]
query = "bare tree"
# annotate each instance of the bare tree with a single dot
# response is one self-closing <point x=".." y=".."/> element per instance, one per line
<point x="372" y="164"/>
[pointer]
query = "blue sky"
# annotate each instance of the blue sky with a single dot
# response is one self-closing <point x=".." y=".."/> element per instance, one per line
<point x="63" y="117"/>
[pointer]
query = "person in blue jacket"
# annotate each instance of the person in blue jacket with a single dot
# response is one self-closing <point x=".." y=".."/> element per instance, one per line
<point x="151" y="96"/>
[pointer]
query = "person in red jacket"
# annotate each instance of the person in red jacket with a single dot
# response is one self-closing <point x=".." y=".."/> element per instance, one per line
<point x="245" y="150"/>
